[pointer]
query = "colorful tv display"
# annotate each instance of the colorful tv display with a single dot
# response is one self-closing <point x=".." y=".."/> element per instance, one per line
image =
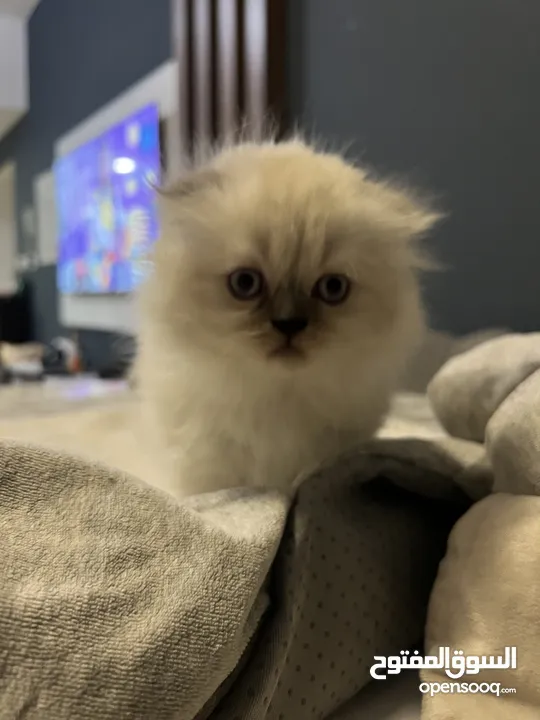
<point x="106" y="205"/>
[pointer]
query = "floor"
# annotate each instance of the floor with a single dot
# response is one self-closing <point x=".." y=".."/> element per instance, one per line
<point x="57" y="395"/>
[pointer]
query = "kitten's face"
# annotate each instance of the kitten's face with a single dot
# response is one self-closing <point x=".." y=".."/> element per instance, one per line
<point x="289" y="257"/>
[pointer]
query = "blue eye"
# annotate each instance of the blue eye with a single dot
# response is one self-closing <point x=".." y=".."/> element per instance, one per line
<point x="245" y="284"/>
<point x="332" y="289"/>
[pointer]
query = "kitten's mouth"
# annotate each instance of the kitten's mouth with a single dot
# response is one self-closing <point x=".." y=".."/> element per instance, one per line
<point x="287" y="352"/>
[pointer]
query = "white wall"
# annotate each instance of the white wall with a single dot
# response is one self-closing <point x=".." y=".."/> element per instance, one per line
<point x="8" y="230"/>
<point x="46" y="221"/>
<point x="13" y="70"/>
<point x="21" y="8"/>
<point x="113" y="313"/>
<point x="14" y="91"/>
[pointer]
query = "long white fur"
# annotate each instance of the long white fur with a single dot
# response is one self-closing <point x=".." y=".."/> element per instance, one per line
<point x="219" y="411"/>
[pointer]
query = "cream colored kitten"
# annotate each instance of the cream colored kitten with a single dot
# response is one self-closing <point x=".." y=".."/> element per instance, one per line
<point x="282" y="308"/>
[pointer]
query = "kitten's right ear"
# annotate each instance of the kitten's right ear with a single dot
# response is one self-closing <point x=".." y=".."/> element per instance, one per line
<point x="191" y="184"/>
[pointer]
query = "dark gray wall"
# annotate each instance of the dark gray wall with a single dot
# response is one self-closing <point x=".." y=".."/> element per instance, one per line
<point x="83" y="53"/>
<point x="447" y="93"/>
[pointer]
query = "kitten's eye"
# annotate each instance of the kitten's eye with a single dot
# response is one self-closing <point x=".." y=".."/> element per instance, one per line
<point x="332" y="289"/>
<point x="246" y="284"/>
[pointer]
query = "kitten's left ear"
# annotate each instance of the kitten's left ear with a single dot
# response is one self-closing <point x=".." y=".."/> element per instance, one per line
<point x="408" y="215"/>
<point x="404" y="218"/>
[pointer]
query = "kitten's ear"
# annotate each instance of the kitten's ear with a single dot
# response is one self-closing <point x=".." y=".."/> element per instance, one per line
<point x="191" y="184"/>
<point x="417" y="218"/>
<point x="404" y="217"/>
<point x="408" y="215"/>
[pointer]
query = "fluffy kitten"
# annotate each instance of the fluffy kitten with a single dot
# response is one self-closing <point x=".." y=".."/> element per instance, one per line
<point x="282" y="308"/>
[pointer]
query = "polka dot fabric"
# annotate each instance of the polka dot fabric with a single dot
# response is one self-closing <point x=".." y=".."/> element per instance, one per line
<point x="351" y="580"/>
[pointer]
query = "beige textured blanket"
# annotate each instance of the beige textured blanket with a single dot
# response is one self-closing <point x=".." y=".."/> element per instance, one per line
<point x="487" y="593"/>
<point x="115" y="602"/>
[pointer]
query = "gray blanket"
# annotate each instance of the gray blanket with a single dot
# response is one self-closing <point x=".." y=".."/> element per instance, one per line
<point x="115" y="602"/>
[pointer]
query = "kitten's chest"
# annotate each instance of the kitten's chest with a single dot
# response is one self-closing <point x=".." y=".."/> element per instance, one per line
<point x="284" y="437"/>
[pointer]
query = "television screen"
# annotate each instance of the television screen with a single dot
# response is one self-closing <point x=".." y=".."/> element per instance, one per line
<point x="106" y="204"/>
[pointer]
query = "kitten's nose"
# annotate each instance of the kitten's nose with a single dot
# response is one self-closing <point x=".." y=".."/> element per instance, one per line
<point x="290" y="326"/>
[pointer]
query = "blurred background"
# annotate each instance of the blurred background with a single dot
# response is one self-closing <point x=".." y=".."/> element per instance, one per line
<point x="97" y="98"/>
